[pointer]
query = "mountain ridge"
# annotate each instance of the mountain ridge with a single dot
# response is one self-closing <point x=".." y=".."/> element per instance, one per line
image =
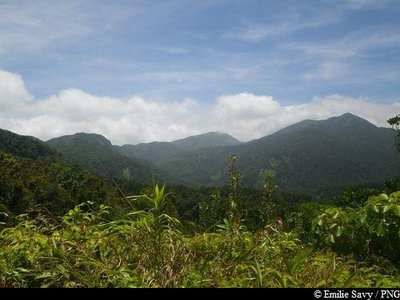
<point x="306" y="157"/>
<point x="155" y="151"/>
<point x="97" y="154"/>
<point x="24" y="145"/>
<point x="310" y="154"/>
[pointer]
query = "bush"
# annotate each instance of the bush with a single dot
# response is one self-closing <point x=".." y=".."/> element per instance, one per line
<point x="373" y="228"/>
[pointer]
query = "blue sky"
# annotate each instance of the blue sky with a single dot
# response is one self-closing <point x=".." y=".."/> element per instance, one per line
<point x="167" y="52"/>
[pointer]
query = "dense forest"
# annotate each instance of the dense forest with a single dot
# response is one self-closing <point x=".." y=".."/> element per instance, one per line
<point x="63" y="226"/>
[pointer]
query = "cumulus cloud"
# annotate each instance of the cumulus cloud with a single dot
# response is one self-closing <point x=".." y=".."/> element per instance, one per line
<point x="12" y="91"/>
<point x="135" y="119"/>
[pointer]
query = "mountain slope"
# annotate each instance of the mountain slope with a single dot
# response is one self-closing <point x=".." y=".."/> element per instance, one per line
<point x="306" y="157"/>
<point x="207" y="140"/>
<point x="152" y="152"/>
<point x="156" y="151"/>
<point x="34" y="176"/>
<point x="24" y="146"/>
<point x="97" y="154"/>
<point x="29" y="184"/>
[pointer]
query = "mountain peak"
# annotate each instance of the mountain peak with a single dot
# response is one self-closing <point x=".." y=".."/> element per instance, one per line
<point x="206" y="140"/>
<point x="88" y="138"/>
<point x="348" y="115"/>
<point x="208" y="135"/>
<point x="158" y="151"/>
<point x="25" y="146"/>
<point x="349" y="119"/>
<point x="216" y="133"/>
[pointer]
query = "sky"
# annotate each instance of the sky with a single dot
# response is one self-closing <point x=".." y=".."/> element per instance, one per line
<point x="140" y="71"/>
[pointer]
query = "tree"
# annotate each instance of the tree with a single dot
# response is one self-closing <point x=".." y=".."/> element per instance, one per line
<point x="395" y="122"/>
<point x="234" y="190"/>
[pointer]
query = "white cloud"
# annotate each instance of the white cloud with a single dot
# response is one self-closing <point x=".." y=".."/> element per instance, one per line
<point x="12" y="91"/>
<point x="134" y="119"/>
<point x="244" y="107"/>
<point x="261" y="115"/>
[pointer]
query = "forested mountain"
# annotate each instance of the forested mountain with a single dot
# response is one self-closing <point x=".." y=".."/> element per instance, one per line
<point x="157" y="151"/>
<point x="307" y="157"/>
<point x="78" y="227"/>
<point x="26" y="183"/>
<point x="25" y="146"/>
<point x="97" y="154"/>
<point x="207" y="140"/>
<point x="153" y="152"/>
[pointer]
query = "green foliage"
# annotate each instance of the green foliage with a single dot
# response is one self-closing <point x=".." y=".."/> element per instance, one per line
<point x="24" y="146"/>
<point x="381" y="215"/>
<point x="392" y="185"/>
<point x="395" y="123"/>
<point x="213" y="210"/>
<point x="302" y="218"/>
<point x="355" y="196"/>
<point x="269" y="188"/>
<point x="342" y="230"/>
<point x="126" y="174"/>
<point x="188" y="237"/>
<point x="83" y="249"/>
<point x="373" y="228"/>
<point x="29" y="185"/>
<point x="234" y="192"/>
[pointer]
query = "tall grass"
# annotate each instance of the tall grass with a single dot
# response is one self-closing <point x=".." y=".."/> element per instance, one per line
<point x="148" y="248"/>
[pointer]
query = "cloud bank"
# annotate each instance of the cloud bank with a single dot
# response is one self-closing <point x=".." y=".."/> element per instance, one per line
<point x="133" y="120"/>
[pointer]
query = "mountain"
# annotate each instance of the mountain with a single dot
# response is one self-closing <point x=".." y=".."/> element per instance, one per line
<point x="24" y="146"/>
<point x="96" y="153"/>
<point x="28" y="184"/>
<point x="206" y="140"/>
<point x="157" y="151"/>
<point x="152" y="152"/>
<point x="306" y="157"/>
<point x="33" y="174"/>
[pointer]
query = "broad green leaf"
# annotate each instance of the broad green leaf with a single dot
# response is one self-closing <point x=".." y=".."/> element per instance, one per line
<point x="339" y="231"/>
<point x="383" y="197"/>
<point x="332" y="238"/>
<point x="380" y="231"/>
<point x="396" y="210"/>
<point x="363" y="219"/>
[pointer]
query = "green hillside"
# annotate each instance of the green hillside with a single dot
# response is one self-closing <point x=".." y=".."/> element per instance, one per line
<point x="25" y="146"/>
<point x="97" y="154"/>
<point x="207" y="140"/>
<point x="27" y="184"/>
<point x="307" y="157"/>
<point x="156" y="151"/>
<point x="152" y="152"/>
